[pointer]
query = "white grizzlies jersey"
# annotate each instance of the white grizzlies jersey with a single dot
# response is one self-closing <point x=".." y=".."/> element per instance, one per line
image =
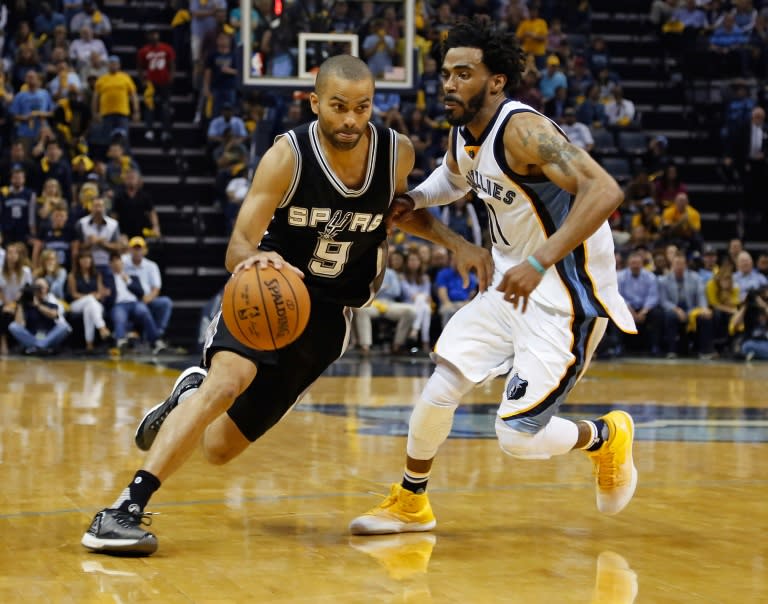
<point x="523" y="211"/>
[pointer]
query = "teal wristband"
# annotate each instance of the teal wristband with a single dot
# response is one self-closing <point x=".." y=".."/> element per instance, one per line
<point x="536" y="264"/>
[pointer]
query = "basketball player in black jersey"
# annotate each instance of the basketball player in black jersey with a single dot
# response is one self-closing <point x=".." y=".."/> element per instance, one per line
<point x="317" y="205"/>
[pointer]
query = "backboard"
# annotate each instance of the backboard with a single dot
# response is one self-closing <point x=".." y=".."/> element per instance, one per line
<point x="283" y="41"/>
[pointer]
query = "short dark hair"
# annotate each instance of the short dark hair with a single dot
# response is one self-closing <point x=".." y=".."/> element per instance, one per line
<point x="346" y="67"/>
<point x="501" y="51"/>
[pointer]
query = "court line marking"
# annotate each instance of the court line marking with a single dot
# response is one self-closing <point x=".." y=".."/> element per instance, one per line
<point x="385" y="489"/>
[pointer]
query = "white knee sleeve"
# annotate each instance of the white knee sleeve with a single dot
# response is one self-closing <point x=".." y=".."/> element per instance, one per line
<point x="556" y="438"/>
<point x="432" y="416"/>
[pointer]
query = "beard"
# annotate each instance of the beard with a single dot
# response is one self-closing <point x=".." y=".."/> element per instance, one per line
<point x="470" y="109"/>
<point x="342" y="145"/>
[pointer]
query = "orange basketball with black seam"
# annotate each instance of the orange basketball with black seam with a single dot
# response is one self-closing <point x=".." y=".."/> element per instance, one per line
<point x="265" y="308"/>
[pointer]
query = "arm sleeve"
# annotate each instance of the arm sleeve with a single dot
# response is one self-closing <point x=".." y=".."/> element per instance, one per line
<point x="439" y="188"/>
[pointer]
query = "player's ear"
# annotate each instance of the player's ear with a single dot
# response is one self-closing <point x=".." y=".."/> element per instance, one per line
<point x="314" y="102"/>
<point x="498" y="82"/>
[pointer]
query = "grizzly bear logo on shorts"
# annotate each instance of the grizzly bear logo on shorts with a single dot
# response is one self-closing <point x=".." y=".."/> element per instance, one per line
<point x="516" y="388"/>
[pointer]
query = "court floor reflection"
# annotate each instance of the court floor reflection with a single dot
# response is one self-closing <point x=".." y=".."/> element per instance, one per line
<point x="271" y="527"/>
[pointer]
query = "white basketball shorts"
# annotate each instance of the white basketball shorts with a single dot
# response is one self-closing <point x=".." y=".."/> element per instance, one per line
<point x="543" y="352"/>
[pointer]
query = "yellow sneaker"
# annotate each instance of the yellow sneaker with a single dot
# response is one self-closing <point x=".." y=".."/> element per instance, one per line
<point x="403" y="556"/>
<point x="615" y="472"/>
<point x="616" y="582"/>
<point x="401" y="512"/>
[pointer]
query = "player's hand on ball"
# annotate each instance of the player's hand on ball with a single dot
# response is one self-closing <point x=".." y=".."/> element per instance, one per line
<point x="518" y="283"/>
<point x="264" y="259"/>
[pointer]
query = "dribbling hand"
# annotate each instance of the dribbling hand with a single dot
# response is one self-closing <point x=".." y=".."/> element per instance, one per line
<point x="264" y="259"/>
<point x="518" y="283"/>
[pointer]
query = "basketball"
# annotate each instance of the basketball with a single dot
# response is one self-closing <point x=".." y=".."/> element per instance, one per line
<point x="265" y="308"/>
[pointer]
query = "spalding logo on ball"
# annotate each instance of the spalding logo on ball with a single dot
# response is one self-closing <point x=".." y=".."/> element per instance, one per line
<point x="265" y="308"/>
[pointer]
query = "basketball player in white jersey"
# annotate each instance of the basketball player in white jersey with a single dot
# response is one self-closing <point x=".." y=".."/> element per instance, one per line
<point x="555" y="284"/>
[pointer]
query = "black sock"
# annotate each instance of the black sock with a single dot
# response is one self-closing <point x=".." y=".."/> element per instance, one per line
<point x="601" y="429"/>
<point x="415" y="484"/>
<point x="137" y="493"/>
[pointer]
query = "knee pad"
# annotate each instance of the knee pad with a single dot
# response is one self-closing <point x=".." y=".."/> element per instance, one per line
<point x="446" y="386"/>
<point x="432" y="416"/>
<point x="557" y="437"/>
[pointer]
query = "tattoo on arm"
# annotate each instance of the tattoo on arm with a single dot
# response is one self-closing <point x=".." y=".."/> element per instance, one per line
<point x="554" y="149"/>
<point x="526" y="137"/>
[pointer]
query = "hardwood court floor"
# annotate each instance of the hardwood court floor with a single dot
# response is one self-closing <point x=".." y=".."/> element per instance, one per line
<point x="271" y="526"/>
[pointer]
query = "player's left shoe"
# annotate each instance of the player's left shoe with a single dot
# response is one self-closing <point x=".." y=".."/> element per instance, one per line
<point x="190" y="379"/>
<point x="614" y="469"/>
<point x="120" y="533"/>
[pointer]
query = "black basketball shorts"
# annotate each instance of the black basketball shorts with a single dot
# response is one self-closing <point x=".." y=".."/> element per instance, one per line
<point x="283" y="375"/>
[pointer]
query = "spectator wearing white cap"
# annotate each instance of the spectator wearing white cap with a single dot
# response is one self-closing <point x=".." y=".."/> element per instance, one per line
<point x="148" y="273"/>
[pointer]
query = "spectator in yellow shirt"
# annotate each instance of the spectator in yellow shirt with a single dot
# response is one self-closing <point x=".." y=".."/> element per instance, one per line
<point x="115" y="100"/>
<point x="532" y="33"/>
<point x="723" y="298"/>
<point x="681" y="224"/>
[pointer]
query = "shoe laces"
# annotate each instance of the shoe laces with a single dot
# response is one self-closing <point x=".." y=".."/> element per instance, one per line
<point x="387" y="503"/>
<point x="131" y="519"/>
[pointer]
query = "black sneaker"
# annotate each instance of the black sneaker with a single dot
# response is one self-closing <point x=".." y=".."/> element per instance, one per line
<point x="190" y="378"/>
<point x="119" y="533"/>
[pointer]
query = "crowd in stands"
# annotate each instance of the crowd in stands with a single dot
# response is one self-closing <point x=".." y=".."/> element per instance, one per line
<point x="75" y="222"/>
<point x="72" y="188"/>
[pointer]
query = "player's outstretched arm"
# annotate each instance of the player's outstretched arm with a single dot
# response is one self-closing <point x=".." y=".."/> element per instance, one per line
<point x="268" y="187"/>
<point x="423" y="224"/>
<point x="533" y="142"/>
<point x="468" y="256"/>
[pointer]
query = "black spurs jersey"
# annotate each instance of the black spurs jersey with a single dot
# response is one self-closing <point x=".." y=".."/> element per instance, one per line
<point x="332" y="233"/>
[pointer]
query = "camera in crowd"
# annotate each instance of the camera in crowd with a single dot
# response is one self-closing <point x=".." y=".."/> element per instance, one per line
<point x="28" y="294"/>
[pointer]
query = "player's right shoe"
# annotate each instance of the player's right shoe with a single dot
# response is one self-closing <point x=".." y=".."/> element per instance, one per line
<point x="190" y="379"/>
<point x="614" y="469"/>
<point x="401" y="512"/>
<point x="117" y="532"/>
